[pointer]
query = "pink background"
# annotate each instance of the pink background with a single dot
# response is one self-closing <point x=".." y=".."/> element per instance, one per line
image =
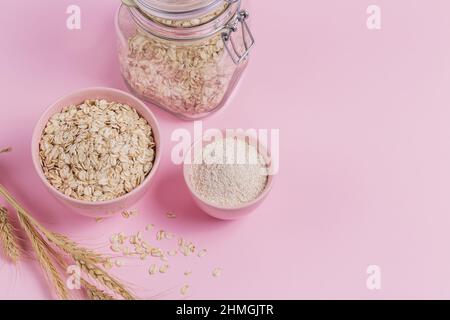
<point x="365" y="154"/>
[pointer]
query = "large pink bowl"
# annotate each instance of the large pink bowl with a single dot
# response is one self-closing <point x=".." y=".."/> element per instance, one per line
<point x="102" y="208"/>
<point x="224" y="213"/>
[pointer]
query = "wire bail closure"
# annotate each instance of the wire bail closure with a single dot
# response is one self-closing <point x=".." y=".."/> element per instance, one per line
<point x="247" y="38"/>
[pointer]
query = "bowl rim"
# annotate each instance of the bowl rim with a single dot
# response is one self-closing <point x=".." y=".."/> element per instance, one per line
<point x="37" y="133"/>
<point x="265" y="153"/>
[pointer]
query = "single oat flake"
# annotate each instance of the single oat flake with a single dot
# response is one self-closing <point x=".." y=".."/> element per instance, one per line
<point x="129" y="214"/>
<point x="119" y="263"/>
<point x="172" y="253"/>
<point x="184" y="290"/>
<point x="160" y="235"/>
<point x="171" y="215"/>
<point x="153" y="269"/>
<point x="217" y="272"/>
<point x="164" y="268"/>
<point x="202" y="253"/>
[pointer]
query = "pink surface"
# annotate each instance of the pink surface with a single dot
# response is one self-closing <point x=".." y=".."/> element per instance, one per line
<point x="365" y="159"/>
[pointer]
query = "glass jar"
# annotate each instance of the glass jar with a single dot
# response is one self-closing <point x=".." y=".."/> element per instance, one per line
<point x="185" y="56"/>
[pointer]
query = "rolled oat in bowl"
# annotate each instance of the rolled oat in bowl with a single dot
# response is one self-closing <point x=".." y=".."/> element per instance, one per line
<point x="97" y="151"/>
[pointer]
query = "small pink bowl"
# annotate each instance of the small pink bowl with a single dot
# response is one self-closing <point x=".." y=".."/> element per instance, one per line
<point x="101" y="208"/>
<point x="224" y="213"/>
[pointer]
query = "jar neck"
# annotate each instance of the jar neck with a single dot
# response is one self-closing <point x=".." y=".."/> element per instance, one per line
<point x="162" y="30"/>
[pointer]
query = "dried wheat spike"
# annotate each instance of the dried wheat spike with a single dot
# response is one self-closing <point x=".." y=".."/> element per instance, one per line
<point x="95" y="293"/>
<point x="105" y="279"/>
<point x="8" y="238"/>
<point x="43" y="255"/>
<point x="74" y="249"/>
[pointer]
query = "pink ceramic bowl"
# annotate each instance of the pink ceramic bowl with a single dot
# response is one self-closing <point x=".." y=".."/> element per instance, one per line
<point x="224" y="213"/>
<point x="102" y="208"/>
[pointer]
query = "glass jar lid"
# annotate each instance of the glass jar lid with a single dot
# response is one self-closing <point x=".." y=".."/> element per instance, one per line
<point x="178" y="9"/>
<point x="176" y="5"/>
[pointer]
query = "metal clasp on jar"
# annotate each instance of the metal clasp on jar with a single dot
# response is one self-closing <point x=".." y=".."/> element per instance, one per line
<point x="247" y="38"/>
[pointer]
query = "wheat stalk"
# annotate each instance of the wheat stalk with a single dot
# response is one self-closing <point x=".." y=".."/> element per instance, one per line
<point x="105" y="279"/>
<point x="91" y="290"/>
<point x="74" y="249"/>
<point x="86" y="259"/>
<point x="8" y="237"/>
<point x="61" y="241"/>
<point x="95" y="293"/>
<point x="43" y="255"/>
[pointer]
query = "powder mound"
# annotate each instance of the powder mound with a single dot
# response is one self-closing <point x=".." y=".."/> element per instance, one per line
<point x="232" y="173"/>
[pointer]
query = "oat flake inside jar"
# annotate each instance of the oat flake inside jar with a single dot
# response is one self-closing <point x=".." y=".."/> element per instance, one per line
<point x="185" y="56"/>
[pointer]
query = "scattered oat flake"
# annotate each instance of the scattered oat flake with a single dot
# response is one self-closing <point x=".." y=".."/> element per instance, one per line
<point x="188" y="273"/>
<point x="99" y="220"/>
<point x="168" y="235"/>
<point x="149" y="227"/>
<point x="129" y="214"/>
<point x="114" y="239"/>
<point x="202" y="253"/>
<point x="156" y="252"/>
<point x="153" y="269"/>
<point x="115" y="248"/>
<point x="164" y="268"/>
<point x="122" y="238"/>
<point x="184" y="290"/>
<point x="108" y="265"/>
<point x="119" y="263"/>
<point x="217" y="272"/>
<point x="171" y="215"/>
<point x="160" y="235"/>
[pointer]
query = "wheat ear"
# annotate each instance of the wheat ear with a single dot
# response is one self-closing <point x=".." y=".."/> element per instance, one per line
<point x="87" y="260"/>
<point x="42" y="252"/>
<point x="91" y="290"/>
<point x="95" y="293"/>
<point x="74" y="249"/>
<point x="88" y="266"/>
<point x="61" y="241"/>
<point x="8" y="237"/>
<point x="105" y="279"/>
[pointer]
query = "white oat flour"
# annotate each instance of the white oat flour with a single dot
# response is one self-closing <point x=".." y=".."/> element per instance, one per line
<point x="232" y="173"/>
